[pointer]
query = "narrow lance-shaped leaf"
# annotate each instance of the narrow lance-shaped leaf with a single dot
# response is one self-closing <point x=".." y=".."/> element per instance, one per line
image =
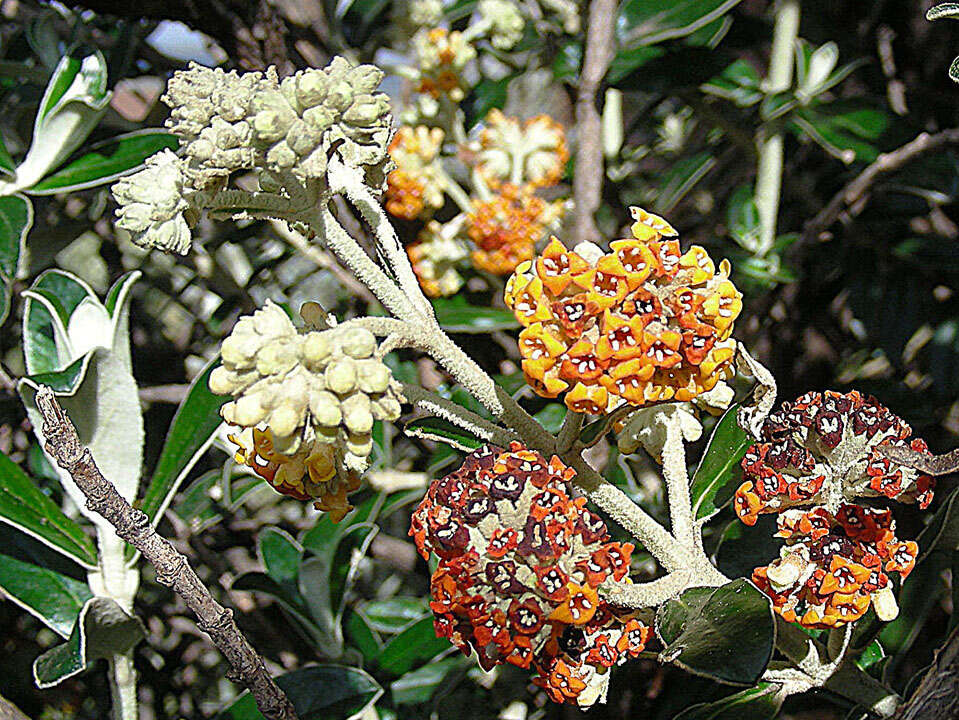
<point x="719" y="472"/>
<point x="23" y="506"/>
<point x="16" y="219"/>
<point x="440" y="430"/>
<point x="759" y="703"/>
<point x="105" y="162"/>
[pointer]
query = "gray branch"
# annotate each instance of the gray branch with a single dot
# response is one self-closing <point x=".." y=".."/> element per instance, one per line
<point x="172" y="568"/>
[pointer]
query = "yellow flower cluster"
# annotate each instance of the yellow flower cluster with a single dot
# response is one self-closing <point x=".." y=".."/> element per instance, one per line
<point x="643" y="323"/>
<point x="415" y="187"/>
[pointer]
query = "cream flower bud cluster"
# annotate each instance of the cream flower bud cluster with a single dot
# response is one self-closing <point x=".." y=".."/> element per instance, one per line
<point x="314" y="113"/>
<point x="153" y="204"/>
<point x="325" y="386"/>
<point x="506" y="22"/>
<point x="229" y="122"/>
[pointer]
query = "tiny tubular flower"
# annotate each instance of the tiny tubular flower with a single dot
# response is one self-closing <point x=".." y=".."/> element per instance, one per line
<point x="506" y="228"/>
<point x="305" y="403"/>
<point x="153" y="205"/>
<point x="436" y="257"/>
<point x="643" y="323"/>
<point x="520" y="563"/>
<point x="505" y="20"/>
<point x="441" y="57"/>
<point x="824" y="448"/>
<point x="415" y="187"/>
<point x="834" y="565"/>
<point x="538" y="145"/>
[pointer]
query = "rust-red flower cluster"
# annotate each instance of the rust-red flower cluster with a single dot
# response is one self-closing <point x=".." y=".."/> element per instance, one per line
<point x="520" y="564"/>
<point x="824" y="448"/>
<point x="816" y="457"/>
<point x="835" y="565"/>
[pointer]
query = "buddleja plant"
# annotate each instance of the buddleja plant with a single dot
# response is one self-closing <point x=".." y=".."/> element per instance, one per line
<point x="636" y="340"/>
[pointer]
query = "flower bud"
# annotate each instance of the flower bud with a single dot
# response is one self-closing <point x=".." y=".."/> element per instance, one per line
<point x="326" y="408"/>
<point x="341" y="375"/>
<point x="248" y="411"/>
<point x="373" y="376"/>
<point x="316" y="349"/>
<point x="283" y="421"/>
<point x="357" y="415"/>
<point x="357" y="342"/>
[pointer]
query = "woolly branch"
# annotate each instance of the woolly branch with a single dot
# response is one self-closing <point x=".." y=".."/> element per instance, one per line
<point x="172" y="568"/>
<point x="648" y="594"/>
<point x="458" y="415"/>
<point x="848" y="202"/>
<point x="588" y="178"/>
<point x="677" y="481"/>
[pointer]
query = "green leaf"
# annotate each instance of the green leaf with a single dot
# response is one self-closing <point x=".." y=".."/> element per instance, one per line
<point x="207" y="499"/>
<point x="625" y="62"/>
<point x="105" y="161"/>
<point x="420" y="685"/>
<point x="681" y="178"/>
<point x="872" y="655"/>
<point x="412" y="647"/>
<point x="719" y="472"/>
<point x="51" y="300"/>
<point x="189" y="436"/>
<point x="318" y="692"/>
<point x="362" y="637"/>
<point x="61" y="80"/>
<point x="16" y="219"/>
<point x="29" y="510"/>
<point x="485" y="96"/>
<point x="457" y="316"/>
<point x="846" y="130"/>
<point x="743" y="548"/>
<point x="738" y="83"/>
<point x="440" y="430"/>
<point x="758" y="703"/>
<point x="292" y="605"/>
<point x="551" y="417"/>
<point x="942" y="532"/>
<point x="52" y="597"/>
<point x="647" y="22"/>
<point x="394" y="614"/>
<point x="281" y="556"/>
<point x="943" y="10"/>
<point x="102" y="630"/>
<point x="726" y="633"/>
<point x="7" y="165"/>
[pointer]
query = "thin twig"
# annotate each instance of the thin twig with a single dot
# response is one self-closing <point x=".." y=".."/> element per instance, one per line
<point x="172" y="568"/>
<point x="173" y="394"/>
<point x="588" y="178"/>
<point x="859" y="187"/>
<point x="9" y="711"/>
<point x="937" y="697"/>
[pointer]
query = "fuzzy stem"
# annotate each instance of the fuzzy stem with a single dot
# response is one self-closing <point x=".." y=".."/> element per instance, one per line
<point x="458" y="415"/>
<point x="569" y="432"/>
<point x="368" y="272"/>
<point x="677" y="481"/>
<point x="779" y="78"/>
<point x="351" y="182"/>
<point x="647" y="594"/>
<point x="123" y="687"/>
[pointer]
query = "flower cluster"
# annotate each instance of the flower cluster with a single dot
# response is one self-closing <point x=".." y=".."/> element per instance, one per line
<point x="506" y="228"/>
<point x="416" y="186"/>
<point x="436" y="255"/>
<point x="520" y="565"/>
<point x="534" y="151"/>
<point x="229" y="122"/>
<point x="643" y="323"/>
<point x="834" y="565"/>
<point x="825" y="448"/>
<point x="441" y="57"/>
<point x="308" y="399"/>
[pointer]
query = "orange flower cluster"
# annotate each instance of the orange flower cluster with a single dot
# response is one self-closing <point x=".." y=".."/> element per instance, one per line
<point x="506" y="228"/>
<point x="835" y="565"/>
<point x="520" y="565"/>
<point x="308" y="474"/>
<point x="442" y="74"/>
<point x="643" y="323"/>
<point x="827" y="445"/>
<point x="415" y="188"/>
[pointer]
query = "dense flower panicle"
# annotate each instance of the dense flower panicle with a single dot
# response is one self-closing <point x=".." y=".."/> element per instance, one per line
<point x="435" y="256"/>
<point x="152" y="206"/>
<point x="539" y="144"/>
<point x="415" y="187"/>
<point x="824" y="448"/>
<point x="520" y="566"/>
<point x="310" y="400"/>
<point x="643" y="323"/>
<point x="441" y="56"/>
<point x="506" y="228"/>
<point x="834" y="565"/>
